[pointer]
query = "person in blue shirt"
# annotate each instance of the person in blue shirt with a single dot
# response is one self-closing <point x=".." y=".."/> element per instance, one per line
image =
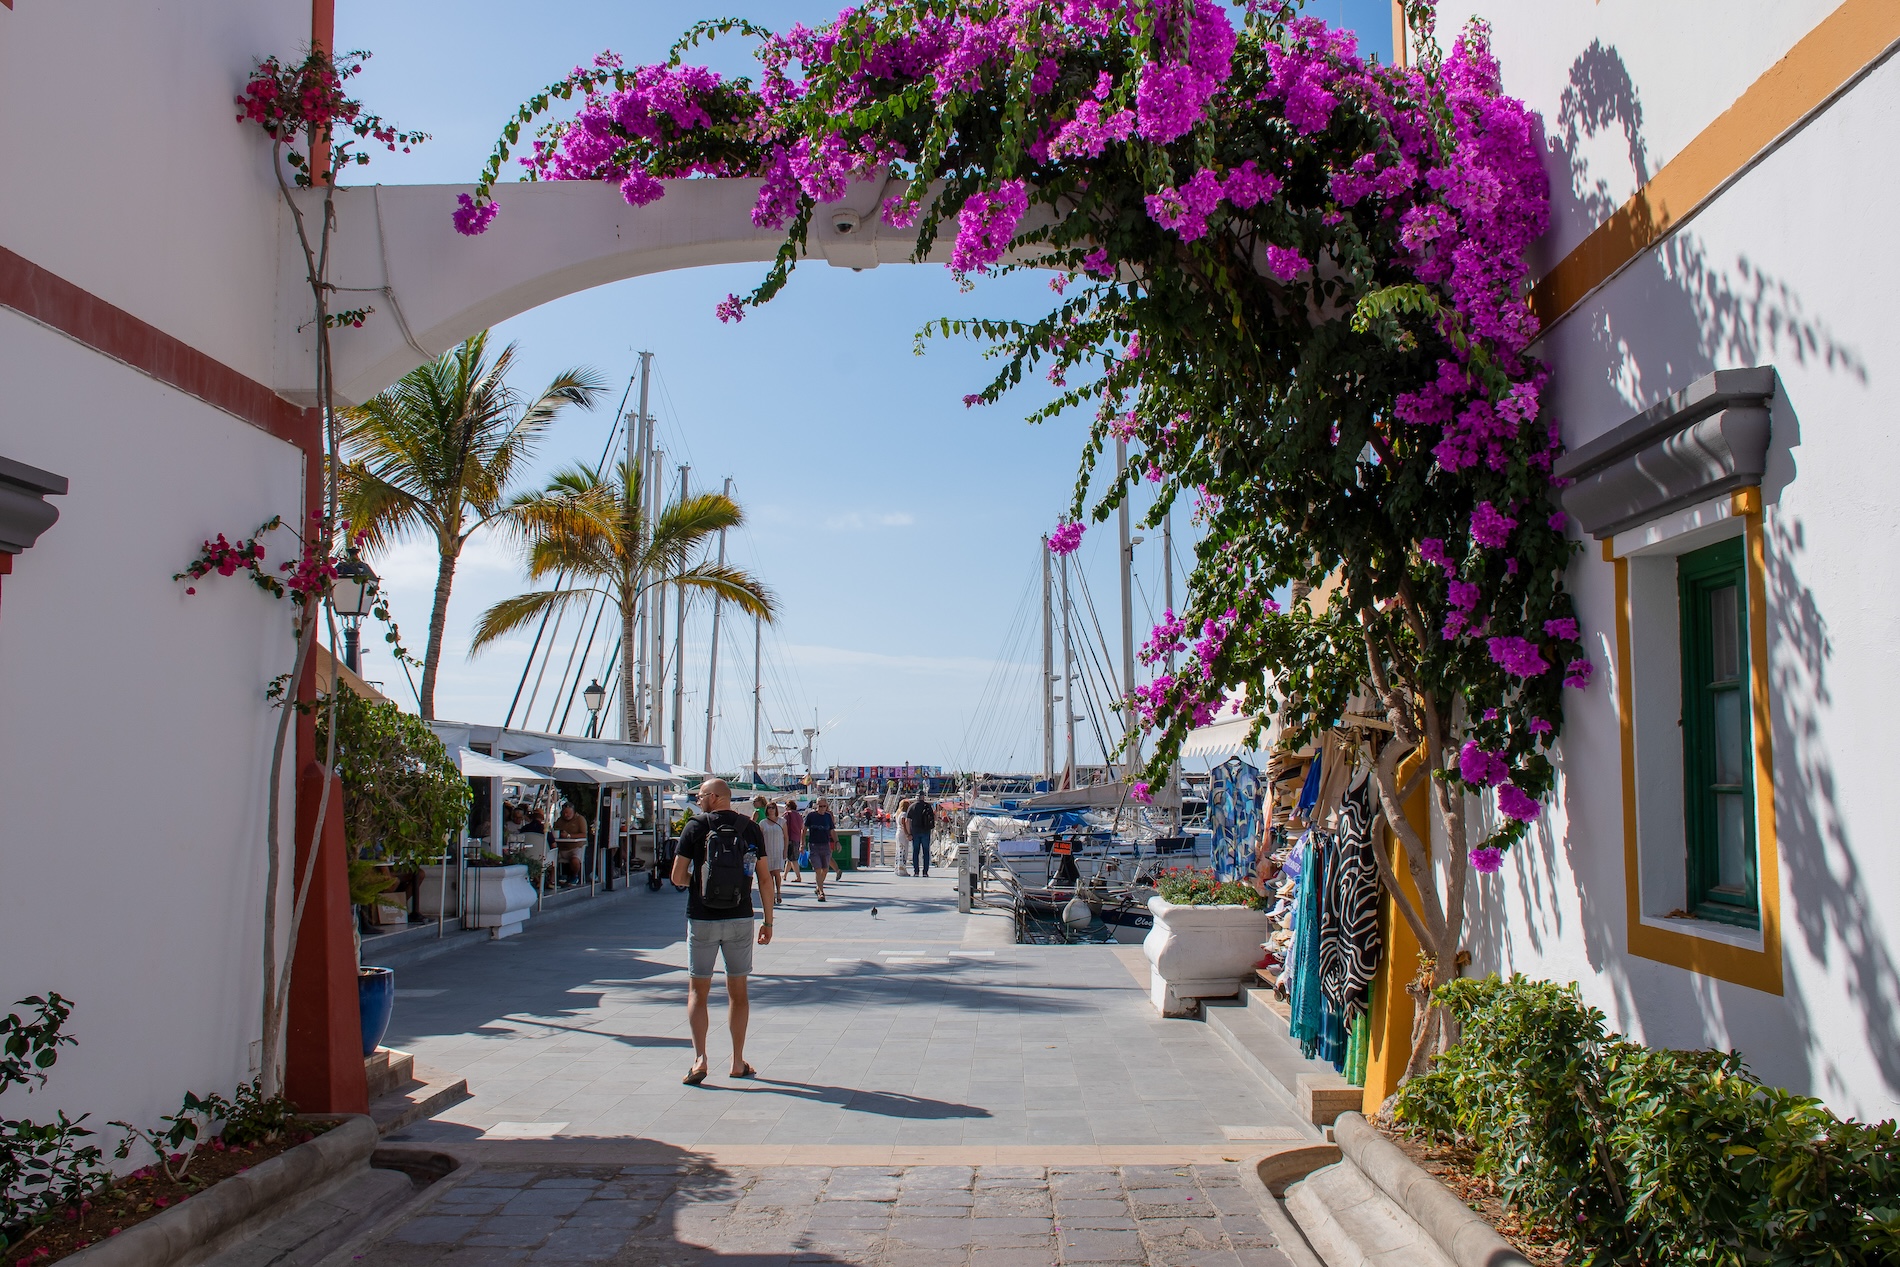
<point x="820" y="829"/>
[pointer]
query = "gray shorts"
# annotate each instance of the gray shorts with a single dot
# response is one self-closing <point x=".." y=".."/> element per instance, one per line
<point x="706" y="939"/>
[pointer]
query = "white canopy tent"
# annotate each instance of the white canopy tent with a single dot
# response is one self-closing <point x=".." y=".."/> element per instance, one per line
<point x="1226" y="734"/>
<point x="642" y="773"/>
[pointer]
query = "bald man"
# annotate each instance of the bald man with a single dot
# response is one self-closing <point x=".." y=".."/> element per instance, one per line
<point x="718" y="860"/>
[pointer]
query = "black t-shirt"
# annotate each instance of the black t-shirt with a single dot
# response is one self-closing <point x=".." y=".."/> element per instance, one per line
<point x="818" y="825"/>
<point x="922" y="818"/>
<point x="692" y="847"/>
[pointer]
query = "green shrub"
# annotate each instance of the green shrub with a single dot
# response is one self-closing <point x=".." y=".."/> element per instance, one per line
<point x="42" y="1165"/>
<point x="1653" y="1156"/>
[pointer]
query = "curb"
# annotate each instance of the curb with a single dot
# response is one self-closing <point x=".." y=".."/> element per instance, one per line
<point x="198" y="1227"/>
<point x="1254" y="1172"/>
<point x="1464" y="1237"/>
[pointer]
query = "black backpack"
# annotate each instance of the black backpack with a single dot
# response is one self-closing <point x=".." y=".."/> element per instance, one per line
<point x="723" y="882"/>
<point x="923" y="818"/>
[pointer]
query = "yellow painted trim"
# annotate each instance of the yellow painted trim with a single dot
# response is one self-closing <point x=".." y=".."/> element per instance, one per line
<point x="1391" y="1039"/>
<point x="1822" y="62"/>
<point x="1756" y="969"/>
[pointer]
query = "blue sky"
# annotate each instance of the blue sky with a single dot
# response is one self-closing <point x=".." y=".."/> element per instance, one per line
<point x="899" y="529"/>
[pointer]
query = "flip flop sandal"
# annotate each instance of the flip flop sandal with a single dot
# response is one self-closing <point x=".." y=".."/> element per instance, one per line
<point x="747" y="1072"/>
<point x="696" y="1077"/>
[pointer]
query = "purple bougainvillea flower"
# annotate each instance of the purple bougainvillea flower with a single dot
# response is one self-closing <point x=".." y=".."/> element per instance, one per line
<point x="1487" y="860"/>
<point x="1484" y="768"/>
<point x="1519" y="656"/>
<point x="1066" y="539"/>
<point x="1515" y="802"/>
<point x="1490" y="526"/>
<point x="471" y="219"/>
<point x="1577" y="673"/>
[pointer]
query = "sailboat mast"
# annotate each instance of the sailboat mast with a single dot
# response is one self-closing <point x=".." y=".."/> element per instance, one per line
<point x="758" y="699"/>
<point x="679" y="649"/>
<point x="1068" y="684"/>
<point x="639" y="452"/>
<point x="1048" y="673"/>
<point x="1128" y="612"/>
<point x="656" y="601"/>
<point x="712" y="670"/>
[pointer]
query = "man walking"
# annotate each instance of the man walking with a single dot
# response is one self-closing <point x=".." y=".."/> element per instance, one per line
<point x="921" y="820"/>
<point x="720" y="853"/>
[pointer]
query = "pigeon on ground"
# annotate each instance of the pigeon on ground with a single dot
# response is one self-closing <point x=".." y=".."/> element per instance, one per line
<point x="874" y="912"/>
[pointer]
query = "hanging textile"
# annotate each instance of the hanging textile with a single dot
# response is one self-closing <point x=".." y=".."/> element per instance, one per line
<point x="1349" y="939"/>
<point x="1358" y="1049"/>
<point x="1234" y="814"/>
<point x="1309" y="790"/>
<point x="1306" y="1018"/>
<point x="1335" y="753"/>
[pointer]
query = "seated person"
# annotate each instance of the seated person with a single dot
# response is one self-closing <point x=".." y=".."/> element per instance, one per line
<point x="570" y="834"/>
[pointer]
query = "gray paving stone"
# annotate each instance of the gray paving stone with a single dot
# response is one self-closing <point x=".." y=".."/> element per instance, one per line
<point x="513" y="1231"/>
<point x="443" y="1229"/>
<point x="1100" y="1247"/>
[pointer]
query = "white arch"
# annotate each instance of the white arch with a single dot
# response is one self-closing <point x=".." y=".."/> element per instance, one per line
<point x="395" y="249"/>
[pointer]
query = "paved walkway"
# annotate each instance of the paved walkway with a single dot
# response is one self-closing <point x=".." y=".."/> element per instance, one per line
<point x="927" y="1094"/>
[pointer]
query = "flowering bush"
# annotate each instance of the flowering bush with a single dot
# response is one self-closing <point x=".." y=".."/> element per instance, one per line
<point x="297" y="101"/>
<point x="1292" y="280"/>
<point x="1185" y="886"/>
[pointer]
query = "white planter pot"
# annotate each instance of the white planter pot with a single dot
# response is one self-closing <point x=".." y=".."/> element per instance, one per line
<point x="500" y="899"/>
<point x="1197" y="952"/>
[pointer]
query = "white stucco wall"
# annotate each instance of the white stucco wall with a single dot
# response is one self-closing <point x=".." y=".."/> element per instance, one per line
<point x="127" y="171"/>
<point x="1623" y="85"/>
<point x="134" y="737"/>
<point x="1791" y="267"/>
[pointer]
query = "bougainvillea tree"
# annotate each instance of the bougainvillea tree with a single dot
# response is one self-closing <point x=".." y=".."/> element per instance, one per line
<point x="317" y="132"/>
<point x="1292" y="279"/>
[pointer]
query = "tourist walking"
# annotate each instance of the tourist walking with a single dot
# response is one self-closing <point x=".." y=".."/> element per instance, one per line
<point x="719" y="856"/>
<point x="774" y="833"/>
<point x="902" y="841"/>
<point x="922" y="821"/>
<point x="819" y="826"/>
<point x="794" y="839"/>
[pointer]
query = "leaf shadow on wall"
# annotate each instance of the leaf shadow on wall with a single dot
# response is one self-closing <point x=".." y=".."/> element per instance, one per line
<point x="1679" y="314"/>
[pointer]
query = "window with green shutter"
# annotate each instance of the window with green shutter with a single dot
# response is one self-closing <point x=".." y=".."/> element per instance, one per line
<point x="1718" y="749"/>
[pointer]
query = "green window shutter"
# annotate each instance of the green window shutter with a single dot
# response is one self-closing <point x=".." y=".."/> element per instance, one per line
<point x="1718" y="746"/>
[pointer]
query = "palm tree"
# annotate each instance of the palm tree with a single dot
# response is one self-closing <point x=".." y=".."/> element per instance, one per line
<point x="590" y="526"/>
<point x="435" y="454"/>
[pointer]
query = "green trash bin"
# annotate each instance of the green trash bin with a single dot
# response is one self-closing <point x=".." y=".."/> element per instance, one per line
<point x="844" y="856"/>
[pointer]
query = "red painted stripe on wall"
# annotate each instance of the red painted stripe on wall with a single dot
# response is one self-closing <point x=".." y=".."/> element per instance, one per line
<point x="53" y="301"/>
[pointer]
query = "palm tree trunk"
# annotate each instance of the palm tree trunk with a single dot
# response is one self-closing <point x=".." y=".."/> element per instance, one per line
<point x="438" y="620"/>
<point x="629" y="650"/>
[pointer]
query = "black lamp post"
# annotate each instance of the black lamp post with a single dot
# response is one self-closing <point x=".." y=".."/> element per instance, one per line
<point x="594" y="697"/>
<point x="353" y="594"/>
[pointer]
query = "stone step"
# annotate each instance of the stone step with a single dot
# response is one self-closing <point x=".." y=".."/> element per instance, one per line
<point x="306" y="1234"/>
<point x="386" y="1070"/>
<point x="1349" y="1222"/>
<point x="1375" y="1207"/>
<point x="425" y="1093"/>
<point x="1258" y="1034"/>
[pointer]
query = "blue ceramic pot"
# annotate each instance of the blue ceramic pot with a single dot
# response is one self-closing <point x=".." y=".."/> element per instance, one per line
<point x="376" y="999"/>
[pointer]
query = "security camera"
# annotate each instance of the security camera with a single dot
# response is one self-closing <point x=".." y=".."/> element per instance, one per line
<point x="845" y="221"/>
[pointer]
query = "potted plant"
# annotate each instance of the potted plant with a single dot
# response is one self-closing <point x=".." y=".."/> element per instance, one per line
<point x="1206" y="938"/>
<point x="501" y="895"/>
<point x="402" y="796"/>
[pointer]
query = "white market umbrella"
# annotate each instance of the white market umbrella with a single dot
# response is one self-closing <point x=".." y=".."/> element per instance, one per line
<point x="638" y="773"/>
<point x="479" y="765"/>
<point x="564" y="767"/>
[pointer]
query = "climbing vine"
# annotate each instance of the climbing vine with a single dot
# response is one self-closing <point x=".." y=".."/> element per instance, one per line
<point x="1290" y="279"/>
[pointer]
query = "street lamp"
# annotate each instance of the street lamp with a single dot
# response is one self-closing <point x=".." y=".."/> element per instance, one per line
<point x="353" y="594"/>
<point x="594" y="696"/>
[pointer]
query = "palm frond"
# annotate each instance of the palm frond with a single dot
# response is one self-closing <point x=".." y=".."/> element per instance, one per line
<point x="734" y="585"/>
<point x="511" y="614"/>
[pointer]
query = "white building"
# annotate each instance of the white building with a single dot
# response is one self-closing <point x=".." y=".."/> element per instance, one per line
<point x="1716" y="292"/>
